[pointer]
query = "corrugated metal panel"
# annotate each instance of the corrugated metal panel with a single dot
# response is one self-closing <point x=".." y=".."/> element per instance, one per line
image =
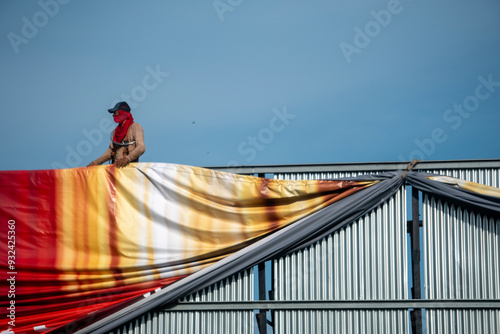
<point x="235" y="288"/>
<point x="364" y="260"/>
<point x="359" y="166"/>
<point x="322" y="176"/>
<point x="462" y="261"/>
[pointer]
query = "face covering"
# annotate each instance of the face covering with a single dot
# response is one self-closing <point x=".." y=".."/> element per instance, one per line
<point x="122" y="115"/>
<point x="124" y="120"/>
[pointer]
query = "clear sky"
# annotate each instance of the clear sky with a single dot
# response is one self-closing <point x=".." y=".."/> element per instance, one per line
<point x="251" y="82"/>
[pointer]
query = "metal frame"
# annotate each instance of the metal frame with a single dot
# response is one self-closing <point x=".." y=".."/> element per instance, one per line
<point x="356" y="167"/>
<point x="366" y="260"/>
<point x="391" y="304"/>
<point x="414" y="306"/>
<point x="302" y="171"/>
<point x="416" y="314"/>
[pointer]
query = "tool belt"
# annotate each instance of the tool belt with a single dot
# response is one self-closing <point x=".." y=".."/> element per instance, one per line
<point x="116" y="147"/>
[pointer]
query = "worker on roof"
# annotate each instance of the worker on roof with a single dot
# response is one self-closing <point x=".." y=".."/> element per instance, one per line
<point x="127" y="139"/>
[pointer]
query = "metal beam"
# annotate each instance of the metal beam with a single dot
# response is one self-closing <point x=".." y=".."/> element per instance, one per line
<point x="358" y="167"/>
<point x="405" y="304"/>
<point x="262" y="316"/>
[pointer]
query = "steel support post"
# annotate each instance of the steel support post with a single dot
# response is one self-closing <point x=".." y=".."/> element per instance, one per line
<point x="416" y="314"/>
<point x="261" y="317"/>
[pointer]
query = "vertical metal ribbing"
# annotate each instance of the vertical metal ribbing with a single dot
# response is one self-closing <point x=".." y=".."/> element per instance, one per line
<point x="238" y="287"/>
<point x="359" y="250"/>
<point x="462" y="256"/>
<point x="321" y="176"/>
<point x="364" y="260"/>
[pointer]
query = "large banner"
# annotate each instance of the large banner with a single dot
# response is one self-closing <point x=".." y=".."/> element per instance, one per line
<point x="77" y="241"/>
<point x="85" y="250"/>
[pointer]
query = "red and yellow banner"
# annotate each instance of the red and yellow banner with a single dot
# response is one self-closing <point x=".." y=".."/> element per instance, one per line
<point x="80" y="240"/>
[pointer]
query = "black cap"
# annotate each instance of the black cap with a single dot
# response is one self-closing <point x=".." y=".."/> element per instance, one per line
<point x="120" y="106"/>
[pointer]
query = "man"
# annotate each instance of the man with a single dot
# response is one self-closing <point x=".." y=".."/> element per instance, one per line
<point x="127" y="140"/>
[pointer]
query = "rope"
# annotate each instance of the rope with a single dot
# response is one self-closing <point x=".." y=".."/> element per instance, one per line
<point x="410" y="167"/>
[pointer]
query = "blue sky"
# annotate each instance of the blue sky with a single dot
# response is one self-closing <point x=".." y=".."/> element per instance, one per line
<point x="251" y="82"/>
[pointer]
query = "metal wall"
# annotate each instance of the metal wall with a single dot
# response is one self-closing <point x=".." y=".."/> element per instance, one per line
<point x="235" y="288"/>
<point x="461" y="259"/>
<point x="322" y="175"/>
<point x="365" y="260"/>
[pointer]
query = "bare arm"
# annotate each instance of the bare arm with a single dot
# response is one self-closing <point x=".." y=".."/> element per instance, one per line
<point x="140" y="146"/>
<point x="103" y="158"/>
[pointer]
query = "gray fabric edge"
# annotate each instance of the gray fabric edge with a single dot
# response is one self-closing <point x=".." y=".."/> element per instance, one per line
<point x="472" y="200"/>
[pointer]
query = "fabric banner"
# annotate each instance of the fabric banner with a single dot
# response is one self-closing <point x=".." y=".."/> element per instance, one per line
<point x="295" y="236"/>
<point x="82" y="240"/>
<point x="89" y="249"/>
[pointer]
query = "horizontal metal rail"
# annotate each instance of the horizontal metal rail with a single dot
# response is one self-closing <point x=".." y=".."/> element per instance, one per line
<point x="337" y="305"/>
<point x="360" y="166"/>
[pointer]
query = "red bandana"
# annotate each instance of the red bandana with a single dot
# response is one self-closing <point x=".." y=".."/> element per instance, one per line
<point x="124" y="120"/>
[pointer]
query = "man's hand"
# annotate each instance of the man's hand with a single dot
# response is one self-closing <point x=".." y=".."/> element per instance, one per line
<point x="91" y="164"/>
<point x="121" y="162"/>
